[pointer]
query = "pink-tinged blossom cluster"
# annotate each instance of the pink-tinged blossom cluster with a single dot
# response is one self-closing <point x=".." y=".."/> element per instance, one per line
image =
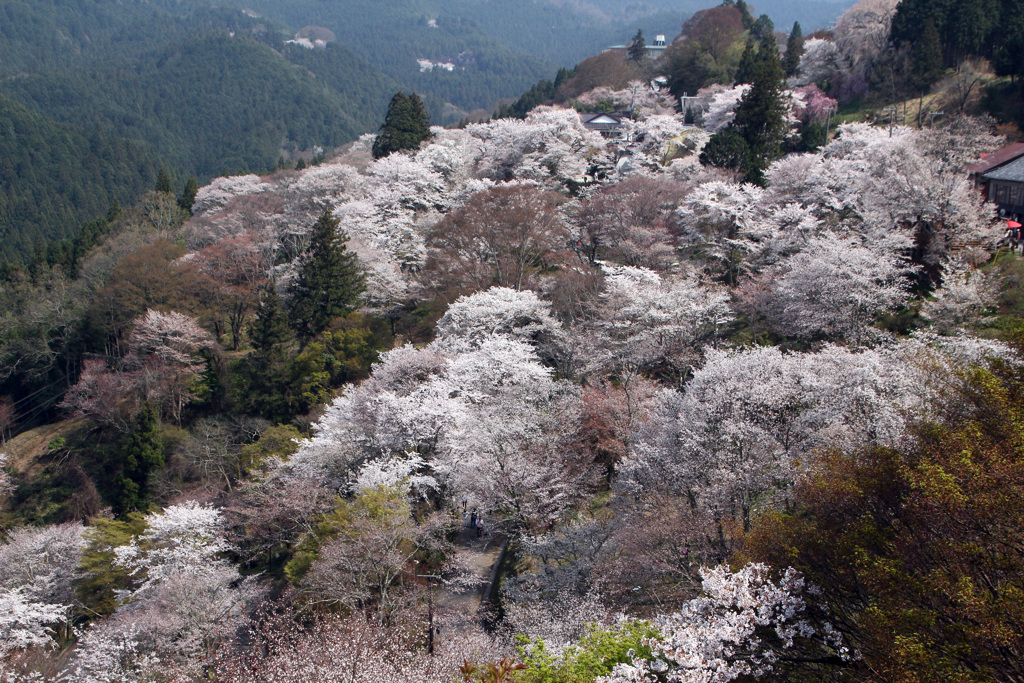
<point x="163" y="362"/>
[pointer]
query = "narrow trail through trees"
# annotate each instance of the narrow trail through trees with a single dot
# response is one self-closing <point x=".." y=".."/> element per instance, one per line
<point x="462" y="601"/>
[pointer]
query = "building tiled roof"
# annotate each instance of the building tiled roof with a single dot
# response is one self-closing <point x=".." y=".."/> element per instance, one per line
<point x="998" y="158"/>
<point x="602" y="121"/>
<point x="1013" y="171"/>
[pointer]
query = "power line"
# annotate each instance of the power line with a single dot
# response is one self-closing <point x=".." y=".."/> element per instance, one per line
<point x="38" y="391"/>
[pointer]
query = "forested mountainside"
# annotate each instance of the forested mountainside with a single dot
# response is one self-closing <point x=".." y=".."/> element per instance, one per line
<point x="198" y="87"/>
<point x="728" y="394"/>
<point x="54" y="175"/>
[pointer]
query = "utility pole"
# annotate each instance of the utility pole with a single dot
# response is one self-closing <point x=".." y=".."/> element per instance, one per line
<point x="430" y="610"/>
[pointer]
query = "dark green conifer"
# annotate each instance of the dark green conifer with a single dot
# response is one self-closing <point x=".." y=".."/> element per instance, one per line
<point x="163" y="182"/>
<point x="748" y="64"/>
<point x="405" y="126"/>
<point x="726" y="149"/>
<point x="329" y="281"/>
<point x="143" y="452"/>
<point x="760" y="116"/>
<point x="763" y="29"/>
<point x="760" y="123"/>
<point x="794" y="50"/>
<point x="745" y="15"/>
<point x="188" y="194"/>
<point x="269" y="332"/>
<point x="637" y="51"/>
<point x="114" y="211"/>
<point x="926" y="56"/>
<point x="262" y="377"/>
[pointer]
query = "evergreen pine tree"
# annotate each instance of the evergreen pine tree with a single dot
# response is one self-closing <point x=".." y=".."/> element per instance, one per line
<point x="142" y="453"/>
<point x="263" y="374"/>
<point x="726" y="149"/>
<point x="188" y="194"/>
<point x="794" y="50"/>
<point x="926" y="55"/>
<point x="760" y="116"/>
<point x="745" y="15"/>
<point x="163" y="182"/>
<point x="405" y="126"/>
<point x="748" y="64"/>
<point x="269" y="332"/>
<point x="114" y="211"/>
<point x="763" y="29"/>
<point x="329" y="281"/>
<point x="637" y="51"/>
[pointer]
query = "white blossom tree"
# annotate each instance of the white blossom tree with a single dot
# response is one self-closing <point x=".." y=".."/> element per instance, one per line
<point x="502" y="311"/>
<point x="742" y="625"/>
<point x="185" y="596"/>
<point x="748" y="423"/>
<point x="654" y="323"/>
<point x="834" y="288"/>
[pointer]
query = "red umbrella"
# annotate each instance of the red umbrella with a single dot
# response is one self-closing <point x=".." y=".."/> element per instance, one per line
<point x="1012" y="224"/>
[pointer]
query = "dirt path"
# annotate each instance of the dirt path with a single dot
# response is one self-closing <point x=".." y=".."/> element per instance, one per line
<point x="461" y="597"/>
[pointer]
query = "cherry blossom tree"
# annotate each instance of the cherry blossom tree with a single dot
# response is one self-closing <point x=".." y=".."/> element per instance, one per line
<point x="745" y="624"/>
<point x="37" y="598"/>
<point x="962" y="301"/>
<point x="655" y="323"/>
<point x="224" y="188"/>
<point x="630" y="223"/>
<point x="489" y="422"/>
<point x="105" y="395"/>
<point x="365" y="566"/>
<point x="862" y="35"/>
<point x="721" y="108"/>
<point x="6" y="485"/>
<point x="162" y="365"/>
<point x="184" y="595"/>
<point x="237" y="267"/>
<point x="113" y="652"/>
<point x="834" y="288"/>
<point x="501" y="236"/>
<point x="26" y="623"/>
<point x="738" y="434"/>
<point x="498" y="310"/>
<point x="820" y="61"/>
<point x="550" y="144"/>
<point x="331" y="647"/>
<point x="266" y="516"/>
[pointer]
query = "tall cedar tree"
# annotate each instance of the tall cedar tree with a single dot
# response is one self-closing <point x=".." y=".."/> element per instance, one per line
<point x="745" y="15"/>
<point x="269" y="332"/>
<point x="748" y="64"/>
<point x="329" y="281"/>
<point x="926" y="55"/>
<point x="142" y="454"/>
<point x="264" y="373"/>
<point x="794" y="50"/>
<point x="188" y="194"/>
<point x="405" y="126"/>
<point x="163" y="182"/>
<point x="763" y="29"/>
<point x="760" y="116"/>
<point x="638" y="47"/>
